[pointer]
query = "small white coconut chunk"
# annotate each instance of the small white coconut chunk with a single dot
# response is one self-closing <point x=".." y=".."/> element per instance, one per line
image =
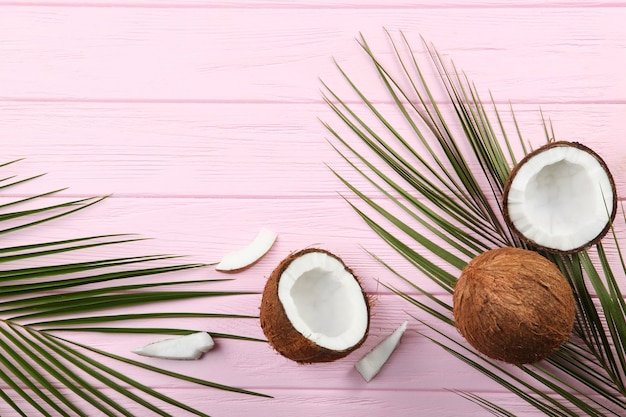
<point x="561" y="198"/>
<point x="373" y="362"/>
<point x="250" y="254"/>
<point x="187" y="347"/>
<point x="324" y="301"/>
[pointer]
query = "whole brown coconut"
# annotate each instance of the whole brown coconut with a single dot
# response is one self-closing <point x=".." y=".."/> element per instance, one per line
<point x="513" y="305"/>
<point x="313" y="308"/>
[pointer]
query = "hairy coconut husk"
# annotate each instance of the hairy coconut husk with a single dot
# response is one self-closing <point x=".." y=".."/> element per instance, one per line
<point x="611" y="210"/>
<point x="280" y="332"/>
<point x="513" y="305"/>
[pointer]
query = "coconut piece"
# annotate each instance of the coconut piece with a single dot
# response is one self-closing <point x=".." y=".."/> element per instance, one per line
<point x="313" y="308"/>
<point x="560" y="198"/>
<point x="371" y="364"/>
<point x="249" y="255"/>
<point x="187" y="347"/>
<point x="513" y="305"/>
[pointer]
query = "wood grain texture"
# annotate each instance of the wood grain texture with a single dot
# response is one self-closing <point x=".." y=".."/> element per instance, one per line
<point x="280" y="150"/>
<point x="271" y="55"/>
<point x="202" y="118"/>
<point x="350" y="4"/>
<point x="341" y="403"/>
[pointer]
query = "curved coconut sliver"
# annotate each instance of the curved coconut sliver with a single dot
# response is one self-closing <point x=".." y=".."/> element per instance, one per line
<point x="248" y="255"/>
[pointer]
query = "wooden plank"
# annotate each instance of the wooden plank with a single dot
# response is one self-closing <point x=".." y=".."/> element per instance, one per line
<point x="310" y="4"/>
<point x="313" y="403"/>
<point x="235" y="150"/>
<point x="270" y="55"/>
<point x="205" y="229"/>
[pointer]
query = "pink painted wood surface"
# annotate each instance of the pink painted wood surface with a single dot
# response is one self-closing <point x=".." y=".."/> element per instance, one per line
<point x="202" y="118"/>
<point x="277" y="54"/>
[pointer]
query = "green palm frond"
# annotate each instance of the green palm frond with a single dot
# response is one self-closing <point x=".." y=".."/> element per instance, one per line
<point x="438" y="181"/>
<point x="42" y="296"/>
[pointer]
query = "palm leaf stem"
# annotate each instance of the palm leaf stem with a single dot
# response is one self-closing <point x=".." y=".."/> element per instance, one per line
<point x="22" y="181"/>
<point x="58" y="242"/>
<point x="576" y="367"/>
<point x="419" y="238"/>
<point x="9" y="379"/>
<point x="149" y="330"/>
<point x="27" y="213"/>
<point x="69" y="378"/>
<point x="27" y="378"/>
<point x="486" y="405"/>
<point x="54" y="217"/>
<point x="572" y="394"/>
<point x="98" y="303"/>
<point x="70" y="268"/>
<point x="79" y="321"/>
<point x="52" y="301"/>
<point x="32" y="198"/>
<point x="21" y="256"/>
<point x="550" y="406"/>
<point x="443" y="278"/>
<point x="12" y="403"/>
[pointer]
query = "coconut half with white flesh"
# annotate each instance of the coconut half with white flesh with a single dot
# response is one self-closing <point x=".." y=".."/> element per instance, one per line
<point x="560" y="198"/>
<point x="313" y="308"/>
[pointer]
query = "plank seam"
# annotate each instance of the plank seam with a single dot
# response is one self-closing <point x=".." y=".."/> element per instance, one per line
<point x="313" y="6"/>
<point x="120" y="100"/>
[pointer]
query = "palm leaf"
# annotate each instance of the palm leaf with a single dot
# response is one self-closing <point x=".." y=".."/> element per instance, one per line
<point x="439" y="187"/>
<point x="51" y="296"/>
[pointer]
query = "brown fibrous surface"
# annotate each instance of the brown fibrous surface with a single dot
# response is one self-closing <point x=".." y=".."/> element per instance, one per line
<point x="513" y="305"/>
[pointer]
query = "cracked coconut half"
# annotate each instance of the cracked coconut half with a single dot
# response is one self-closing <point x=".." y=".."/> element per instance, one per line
<point x="560" y="198"/>
<point x="313" y="308"/>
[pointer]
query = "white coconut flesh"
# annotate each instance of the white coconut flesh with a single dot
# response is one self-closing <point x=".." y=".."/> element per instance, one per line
<point x="561" y="198"/>
<point x="323" y="301"/>
<point x="371" y="364"/>
<point x="249" y="254"/>
<point x="187" y="347"/>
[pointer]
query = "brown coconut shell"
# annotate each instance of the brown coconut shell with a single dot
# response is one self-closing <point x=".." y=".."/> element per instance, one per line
<point x="281" y="334"/>
<point x="511" y="177"/>
<point x="513" y="305"/>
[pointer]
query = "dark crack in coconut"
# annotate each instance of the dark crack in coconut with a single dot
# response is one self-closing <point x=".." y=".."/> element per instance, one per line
<point x="313" y="308"/>
<point x="513" y="305"/>
<point x="560" y="198"/>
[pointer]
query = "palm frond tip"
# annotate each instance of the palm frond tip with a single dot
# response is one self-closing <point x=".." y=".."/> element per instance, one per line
<point x="446" y="173"/>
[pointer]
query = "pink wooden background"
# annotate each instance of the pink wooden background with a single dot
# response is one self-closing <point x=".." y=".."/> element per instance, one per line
<point x="201" y="117"/>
